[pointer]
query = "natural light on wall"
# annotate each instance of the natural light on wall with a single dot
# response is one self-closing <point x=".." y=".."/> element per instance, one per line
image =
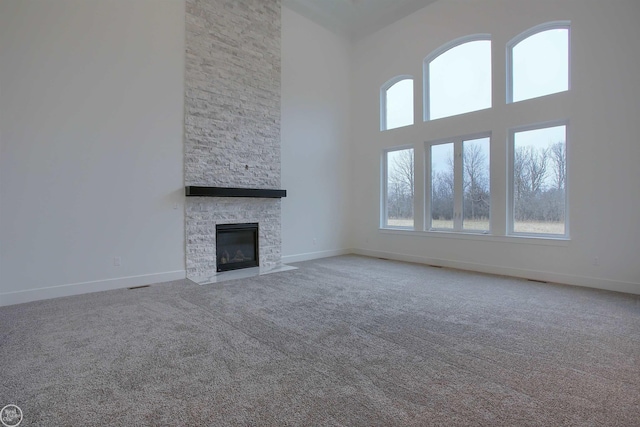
<point x="458" y="79"/>
<point x="397" y="105"/>
<point x="539" y="64"/>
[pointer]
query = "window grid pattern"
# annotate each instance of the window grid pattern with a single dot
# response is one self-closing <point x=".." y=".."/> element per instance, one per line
<point x="457" y="189"/>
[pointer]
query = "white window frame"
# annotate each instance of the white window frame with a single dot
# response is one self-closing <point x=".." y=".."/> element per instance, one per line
<point x="426" y="95"/>
<point x="384" y="217"/>
<point x="510" y="181"/>
<point x="383" y="99"/>
<point x="458" y="184"/>
<point x="552" y="25"/>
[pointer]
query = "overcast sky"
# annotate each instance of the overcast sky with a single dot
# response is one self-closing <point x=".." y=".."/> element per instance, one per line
<point x="460" y="81"/>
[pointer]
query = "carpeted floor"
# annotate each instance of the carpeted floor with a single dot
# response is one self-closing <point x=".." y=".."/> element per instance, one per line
<point x="345" y="341"/>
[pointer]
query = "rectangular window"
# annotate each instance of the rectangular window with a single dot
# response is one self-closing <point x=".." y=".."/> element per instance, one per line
<point x="476" y="202"/>
<point x="460" y="194"/>
<point x="539" y="181"/>
<point x="442" y="186"/>
<point x="399" y="188"/>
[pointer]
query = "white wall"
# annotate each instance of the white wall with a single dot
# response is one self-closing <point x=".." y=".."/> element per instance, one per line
<point x="91" y="122"/>
<point x="604" y="139"/>
<point x="315" y="139"/>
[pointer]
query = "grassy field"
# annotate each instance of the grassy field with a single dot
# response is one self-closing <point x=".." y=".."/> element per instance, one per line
<point x="475" y="225"/>
<point x="539" y="227"/>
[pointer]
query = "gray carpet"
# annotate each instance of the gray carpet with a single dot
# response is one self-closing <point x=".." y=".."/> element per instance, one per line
<point x="346" y="341"/>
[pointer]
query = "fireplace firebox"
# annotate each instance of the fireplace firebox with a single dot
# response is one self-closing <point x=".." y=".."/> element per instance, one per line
<point x="236" y="246"/>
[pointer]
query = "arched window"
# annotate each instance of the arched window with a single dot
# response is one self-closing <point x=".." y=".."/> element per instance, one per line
<point x="396" y="103"/>
<point x="457" y="77"/>
<point x="538" y="62"/>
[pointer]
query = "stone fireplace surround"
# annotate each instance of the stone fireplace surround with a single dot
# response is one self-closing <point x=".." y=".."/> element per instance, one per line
<point x="232" y="125"/>
<point x="202" y="216"/>
<point x="209" y="209"/>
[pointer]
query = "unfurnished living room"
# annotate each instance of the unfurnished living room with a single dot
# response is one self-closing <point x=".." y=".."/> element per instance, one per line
<point x="319" y="212"/>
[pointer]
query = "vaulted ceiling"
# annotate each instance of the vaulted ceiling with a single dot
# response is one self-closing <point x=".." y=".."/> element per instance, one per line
<point x="355" y="18"/>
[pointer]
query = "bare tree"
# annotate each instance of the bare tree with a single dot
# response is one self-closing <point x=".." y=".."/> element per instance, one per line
<point x="558" y="157"/>
<point x="403" y="171"/>
<point x="539" y="181"/>
<point x="537" y="162"/>
<point x="476" y="182"/>
<point x="520" y="183"/>
<point x="442" y="188"/>
<point x="442" y="195"/>
<point x="402" y="184"/>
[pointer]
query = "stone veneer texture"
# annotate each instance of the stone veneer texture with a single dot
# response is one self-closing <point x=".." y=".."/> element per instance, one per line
<point x="232" y="122"/>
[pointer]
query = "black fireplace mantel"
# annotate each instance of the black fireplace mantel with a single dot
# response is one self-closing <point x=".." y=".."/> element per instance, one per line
<point x="198" y="191"/>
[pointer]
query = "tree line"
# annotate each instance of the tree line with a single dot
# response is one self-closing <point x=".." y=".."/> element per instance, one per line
<point x="539" y="185"/>
<point x="400" y="185"/>
<point x="540" y="178"/>
<point x="475" y="186"/>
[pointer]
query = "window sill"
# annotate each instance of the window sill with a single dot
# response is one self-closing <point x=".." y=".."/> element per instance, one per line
<point x="529" y="240"/>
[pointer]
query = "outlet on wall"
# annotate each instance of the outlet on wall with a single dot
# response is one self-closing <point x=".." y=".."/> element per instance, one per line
<point x="117" y="261"/>
<point x="315" y="241"/>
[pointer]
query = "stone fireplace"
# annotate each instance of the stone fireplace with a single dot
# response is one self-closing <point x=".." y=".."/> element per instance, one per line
<point x="232" y="126"/>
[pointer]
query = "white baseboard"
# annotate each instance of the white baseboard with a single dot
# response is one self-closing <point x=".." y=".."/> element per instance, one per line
<point x="589" y="282"/>
<point x="315" y="255"/>
<point x="19" y="297"/>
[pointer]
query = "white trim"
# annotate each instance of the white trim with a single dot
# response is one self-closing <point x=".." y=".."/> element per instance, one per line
<point x="383" y="98"/>
<point x="552" y="25"/>
<point x="545" y="240"/>
<point x="315" y="255"/>
<point x="426" y="105"/>
<point x="567" y="279"/>
<point x="382" y="217"/>
<point x="458" y="201"/>
<point x="28" y="295"/>
<point x="427" y="192"/>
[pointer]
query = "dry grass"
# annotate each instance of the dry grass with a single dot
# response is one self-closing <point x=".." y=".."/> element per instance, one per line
<point x="400" y="222"/>
<point x="468" y="224"/>
<point x="539" y="227"/>
<point x="534" y="227"/>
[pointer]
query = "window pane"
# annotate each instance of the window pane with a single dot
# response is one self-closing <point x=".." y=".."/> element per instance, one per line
<point x="442" y="186"/>
<point x="475" y="178"/>
<point x="460" y="80"/>
<point x="399" y="104"/>
<point x="541" y="64"/>
<point x="539" y="181"/>
<point x="400" y="188"/>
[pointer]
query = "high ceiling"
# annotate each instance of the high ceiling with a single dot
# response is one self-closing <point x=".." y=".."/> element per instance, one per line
<point x="355" y="18"/>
